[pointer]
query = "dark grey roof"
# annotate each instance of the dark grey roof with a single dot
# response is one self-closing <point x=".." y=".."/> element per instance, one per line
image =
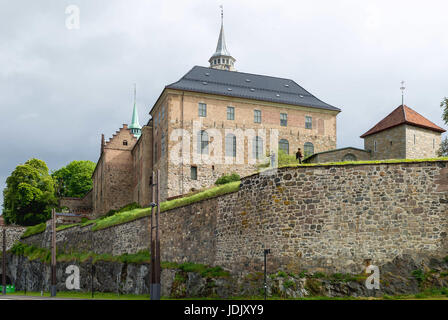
<point x="249" y="86"/>
<point x="335" y="150"/>
<point x="64" y="214"/>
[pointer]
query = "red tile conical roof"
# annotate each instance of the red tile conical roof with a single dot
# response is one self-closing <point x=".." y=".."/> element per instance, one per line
<point x="403" y="115"/>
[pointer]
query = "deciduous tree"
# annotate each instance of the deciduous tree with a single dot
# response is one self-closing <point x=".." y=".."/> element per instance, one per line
<point x="29" y="194"/>
<point x="75" y="179"/>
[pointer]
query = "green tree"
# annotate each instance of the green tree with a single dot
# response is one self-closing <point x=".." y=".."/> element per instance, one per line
<point x="443" y="150"/>
<point x="29" y="194"/>
<point x="444" y="106"/>
<point x="75" y="179"/>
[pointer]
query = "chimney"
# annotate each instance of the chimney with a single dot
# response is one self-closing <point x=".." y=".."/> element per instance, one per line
<point x="102" y="144"/>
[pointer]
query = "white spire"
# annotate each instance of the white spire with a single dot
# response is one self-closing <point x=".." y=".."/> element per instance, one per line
<point x="222" y="59"/>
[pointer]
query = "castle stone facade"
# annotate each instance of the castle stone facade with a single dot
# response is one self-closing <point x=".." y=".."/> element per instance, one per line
<point x="216" y="121"/>
<point x="213" y="121"/>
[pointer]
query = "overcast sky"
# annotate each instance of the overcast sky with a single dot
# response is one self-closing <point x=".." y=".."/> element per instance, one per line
<point x="60" y="89"/>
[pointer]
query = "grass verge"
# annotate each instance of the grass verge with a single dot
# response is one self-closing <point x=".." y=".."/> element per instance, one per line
<point x="131" y="215"/>
<point x="38" y="228"/>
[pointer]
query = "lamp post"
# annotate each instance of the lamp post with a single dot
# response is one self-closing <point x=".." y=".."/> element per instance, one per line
<point x="53" y="253"/>
<point x="92" y="268"/>
<point x="154" y="285"/>
<point x="4" y="261"/>
<point x="266" y="252"/>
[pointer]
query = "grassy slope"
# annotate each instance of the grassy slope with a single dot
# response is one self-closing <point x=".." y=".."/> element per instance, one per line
<point x="123" y="217"/>
<point x="115" y="296"/>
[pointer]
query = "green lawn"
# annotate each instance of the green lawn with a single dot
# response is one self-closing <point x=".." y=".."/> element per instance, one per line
<point x="114" y="296"/>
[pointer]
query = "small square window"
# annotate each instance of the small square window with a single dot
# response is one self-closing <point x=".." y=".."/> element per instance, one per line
<point x="257" y="116"/>
<point x="283" y="119"/>
<point x="202" y="110"/>
<point x="194" y="173"/>
<point x="230" y="113"/>
<point x="308" y="122"/>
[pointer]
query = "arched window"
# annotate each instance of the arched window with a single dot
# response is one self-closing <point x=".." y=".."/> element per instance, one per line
<point x="230" y="145"/>
<point x="203" y="142"/>
<point x="283" y="145"/>
<point x="308" y="149"/>
<point x="257" y="147"/>
<point x="349" y="157"/>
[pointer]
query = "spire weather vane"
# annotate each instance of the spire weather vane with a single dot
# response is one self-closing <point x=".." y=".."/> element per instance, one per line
<point x="402" y="92"/>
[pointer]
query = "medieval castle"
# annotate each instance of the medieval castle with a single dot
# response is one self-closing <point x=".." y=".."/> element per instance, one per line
<point x="216" y="120"/>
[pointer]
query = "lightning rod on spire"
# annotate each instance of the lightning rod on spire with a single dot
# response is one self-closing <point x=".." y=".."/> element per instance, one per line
<point x="402" y="88"/>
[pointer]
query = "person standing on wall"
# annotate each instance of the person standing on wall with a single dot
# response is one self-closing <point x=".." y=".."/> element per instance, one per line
<point x="299" y="156"/>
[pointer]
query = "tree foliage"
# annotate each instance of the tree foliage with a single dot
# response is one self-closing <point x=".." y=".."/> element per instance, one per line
<point x="29" y="194"/>
<point x="75" y="179"/>
<point x="444" y="106"/>
<point x="443" y="150"/>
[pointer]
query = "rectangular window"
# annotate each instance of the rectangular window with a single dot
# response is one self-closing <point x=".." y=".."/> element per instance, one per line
<point x="230" y="113"/>
<point x="283" y="119"/>
<point x="374" y="146"/>
<point x="163" y="112"/>
<point x="308" y="122"/>
<point x="257" y="116"/>
<point x="202" y="110"/>
<point x="194" y="173"/>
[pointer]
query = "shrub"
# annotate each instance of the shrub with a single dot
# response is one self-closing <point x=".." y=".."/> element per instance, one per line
<point x="228" y="178"/>
<point x="319" y="275"/>
<point x="419" y="275"/>
<point x="289" y="284"/>
<point x="204" y="271"/>
<point x="282" y="274"/>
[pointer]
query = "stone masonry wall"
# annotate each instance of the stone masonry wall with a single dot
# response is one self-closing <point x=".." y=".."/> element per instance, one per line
<point x="390" y="143"/>
<point x="322" y="218"/>
<point x="13" y="234"/>
<point x="78" y="205"/>
<point x="182" y="111"/>
<point x="338" y="155"/>
<point x="427" y="142"/>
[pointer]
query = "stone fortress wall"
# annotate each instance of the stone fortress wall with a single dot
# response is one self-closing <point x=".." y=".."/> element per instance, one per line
<point x="319" y="218"/>
<point x="13" y="234"/>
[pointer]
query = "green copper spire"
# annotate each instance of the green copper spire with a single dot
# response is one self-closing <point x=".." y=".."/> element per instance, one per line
<point x="135" y="126"/>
